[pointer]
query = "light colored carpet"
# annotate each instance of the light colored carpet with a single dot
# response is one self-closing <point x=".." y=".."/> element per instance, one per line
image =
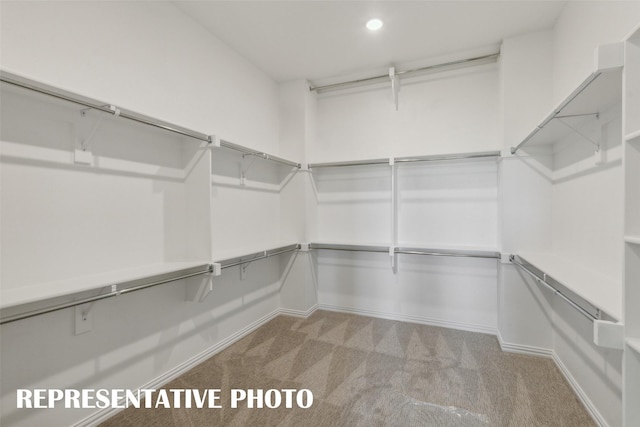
<point x="373" y="372"/>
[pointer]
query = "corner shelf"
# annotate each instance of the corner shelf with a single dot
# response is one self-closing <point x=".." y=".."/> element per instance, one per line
<point x="633" y="137"/>
<point x="28" y="301"/>
<point x="601" y="90"/>
<point x="632" y="239"/>
<point x="634" y="344"/>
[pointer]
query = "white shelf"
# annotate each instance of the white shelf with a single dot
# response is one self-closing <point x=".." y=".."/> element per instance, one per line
<point x="32" y="85"/>
<point x="632" y="239"/>
<point x="597" y="289"/>
<point x="69" y="287"/>
<point x="634" y="344"/>
<point x="601" y="90"/>
<point x="633" y="137"/>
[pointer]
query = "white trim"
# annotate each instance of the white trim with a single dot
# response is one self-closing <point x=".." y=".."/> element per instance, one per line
<point x="593" y="411"/>
<point x="524" y="349"/>
<point x="483" y="329"/>
<point x="539" y="351"/>
<point x="104" y="414"/>
<point x="299" y="313"/>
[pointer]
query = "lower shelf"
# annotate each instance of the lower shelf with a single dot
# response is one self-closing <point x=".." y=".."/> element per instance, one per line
<point x="597" y="290"/>
<point x="28" y="301"/>
<point x="634" y="344"/>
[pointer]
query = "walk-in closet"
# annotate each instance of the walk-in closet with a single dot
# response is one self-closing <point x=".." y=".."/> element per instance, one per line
<point x="305" y="213"/>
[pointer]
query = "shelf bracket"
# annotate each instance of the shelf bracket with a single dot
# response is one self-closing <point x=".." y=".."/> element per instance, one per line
<point x="198" y="289"/>
<point x="392" y="256"/>
<point x="243" y="270"/>
<point x="244" y="170"/>
<point x="395" y="85"/>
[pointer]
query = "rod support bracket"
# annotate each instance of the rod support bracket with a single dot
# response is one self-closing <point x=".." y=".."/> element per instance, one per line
<point x="608" y="334"/>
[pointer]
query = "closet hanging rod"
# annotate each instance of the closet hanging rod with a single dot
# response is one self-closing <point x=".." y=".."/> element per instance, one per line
<point x="493" y="57"/>
<point x="410" y="159"/>
<point x="544" y="281"/>
<point x="54" y="92"/>
<point x="251" y="152"/>
<point x="447" y="252"/>
<point x="232" y="262"/>
<point x="131" y="286"/>
<point x="407" y="250"/>
<point x="445" y="157"/>
<point x="350" y="248"/>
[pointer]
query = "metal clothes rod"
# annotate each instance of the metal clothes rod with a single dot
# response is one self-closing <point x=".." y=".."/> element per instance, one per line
<point x="410" y="159"/>
<point x="42" y="88"/>
<point x="165" y="278"/>
<point x="558" y="110"/>
<point x="250" y="152"/>
<point x="452" y="253"/>
<point x="556" y="291"/>
<point x="350" y="248"/>
<point x="232" y="262"/>
<point x="445" y="157"/>
<point x="406" y="250"/>
<point x="407" y="73"/>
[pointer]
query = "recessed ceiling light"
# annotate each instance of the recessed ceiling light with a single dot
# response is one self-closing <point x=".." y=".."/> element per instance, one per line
<point x="374" y="24"/>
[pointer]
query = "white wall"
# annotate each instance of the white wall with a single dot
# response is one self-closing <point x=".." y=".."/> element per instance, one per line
<point x="558" y="201"/>
<point x="449" y="112"/>
<point x="580" y="28"/>
<point x="144" y="56"/>
<point x="451" y="204"/>
<point x="148" y="57"/>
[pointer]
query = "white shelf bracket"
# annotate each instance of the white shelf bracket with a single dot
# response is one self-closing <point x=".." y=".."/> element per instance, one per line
<point x="395" y="85"/>
<point x="198" y="289"/>
<point x="599" y="153"/>
<point x="608" y="334"/>
<point x="392" y="256"/>
<point x="244" y="170"/>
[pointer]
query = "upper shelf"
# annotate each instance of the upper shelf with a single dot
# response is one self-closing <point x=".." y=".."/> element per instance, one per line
<point x="601" y="90"/>
<point x="23" y="82"/>
<point x="409" y="159"/>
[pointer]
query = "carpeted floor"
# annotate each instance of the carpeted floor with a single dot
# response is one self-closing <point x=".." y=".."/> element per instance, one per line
<point x="373" y="372"/>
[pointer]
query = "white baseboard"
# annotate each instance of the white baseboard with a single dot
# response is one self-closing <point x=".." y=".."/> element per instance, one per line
<point x="299" y="313"/>
<point x="524" y="349"/>
<point x="104" y="414"/>
<point x="539" y="351"/>
<point x="595" y="414"/>
<point x="413" y="319"/>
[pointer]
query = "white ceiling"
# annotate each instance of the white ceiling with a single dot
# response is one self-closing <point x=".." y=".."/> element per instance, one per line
<point x="317" y="40"/>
